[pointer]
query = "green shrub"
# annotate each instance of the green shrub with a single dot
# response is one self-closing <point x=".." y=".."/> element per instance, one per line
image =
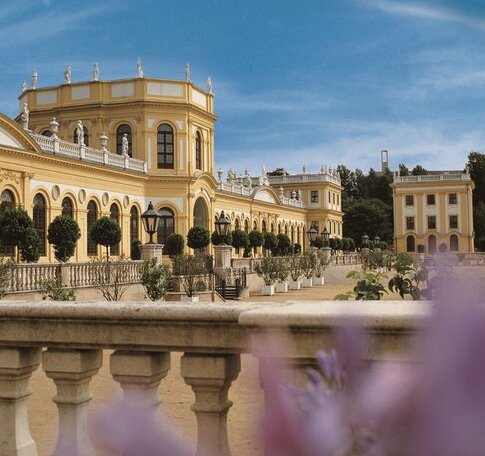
<point x="192" y="269"/>
<point x="240" y="239"/>
<point x="308" y="263"/>
<point x="174" y="245"/>
<point x="106" y="232"/>
<point x="218" y="240"/>
<point x="16" y="231"/>
<point x="268" y="269"/>
<point x="367" y="288"/>
<point x="155" y="278"/>
<point x="318" y="242"/>
<point x="256" y="239"/>
<point x="29" y="246"/>
<point x="270" y="242"/>
<point x="135" y="251"/>
<point x="53" y="290"/>
<point x="296" y="248"/>
<point x="198" y="238"/>
<point x="284" y="245"/>
<point x="63" y="233"/>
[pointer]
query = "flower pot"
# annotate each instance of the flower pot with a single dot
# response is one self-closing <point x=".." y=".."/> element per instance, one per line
<point x="295" y="285"/>
<point x="307" y="283"/>
<point x="318" y="281"/>
<point x="267" y="290"/>
<point x="281" y="287"/>
<point x="185" y="298"/>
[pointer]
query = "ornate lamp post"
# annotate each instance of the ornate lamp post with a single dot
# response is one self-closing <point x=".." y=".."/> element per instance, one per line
<point x="377" y="246"/>
<point x="326" y="247"/>
<point x="151" y="219"/>
<point x="312" y="235"/>
<point x="222" y="252"/>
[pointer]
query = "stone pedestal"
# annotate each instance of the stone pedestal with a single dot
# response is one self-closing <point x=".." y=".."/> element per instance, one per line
<point x="222" y="256"/>
<point x="327" y="252"/>
<point x="210" y="377"/>
<point x="149" y="251"/>
<point x="72" y="371"/>
<point x="140" y="373"/>
<point x="16" y="367"/>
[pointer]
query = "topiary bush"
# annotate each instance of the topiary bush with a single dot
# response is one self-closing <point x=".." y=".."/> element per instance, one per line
<point x="135" y="251"/>
<point x="296" y="248"/>
<point x="29" y="246"/>
<point x="16" y="228"/>
<point x="218" y="240"/>
<point x="318" y="242"/>
<point x="105" y="231"/>
<point x="198" y="238"/>
<point x="63" y="233"/>
<point x="284" y="245"/>
<point x="240" y="239"/>
<point x="155" y="278"/>
<point x="256" y="239"/>
<point x="174" y="245"/>
<point x="270" y="242"/>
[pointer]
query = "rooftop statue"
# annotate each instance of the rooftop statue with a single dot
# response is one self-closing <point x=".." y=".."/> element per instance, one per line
<point x="95" y="72"/>
<point x="139" y="69"/>
<point x="24" y="117"/>
<point x="209" y="85"/>
<point x="24" y="86"/>
<point x="34" y="79"/>
<point x="187" y="73"/>
<point x="80" y="133"/>
<point x="67" y="74"/>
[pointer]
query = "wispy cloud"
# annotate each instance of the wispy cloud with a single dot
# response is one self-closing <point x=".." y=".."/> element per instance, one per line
<point x="424" y="11"/>
<point x="46" y="25"/>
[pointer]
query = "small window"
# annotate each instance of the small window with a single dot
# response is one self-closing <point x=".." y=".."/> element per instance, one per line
<point x="67" y="207"/>
<point x="333" y="198"/>
<point x="430" y="200"/>
<point x="329" y="197"/>
<point x="431" y="222"/>
<point x="314" y="196"/>
<point x="198" y="150"/>
<point x="453" y="222"/>
<point x="338" y="199"/>
<point x="452" y="198"/>
<point x="410" y="223"/>
<point x="165" y="147"/>
<point x="409" y="200"/>
<point x="410" y="244"/>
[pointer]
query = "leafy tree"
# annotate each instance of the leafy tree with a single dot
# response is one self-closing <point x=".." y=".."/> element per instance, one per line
<point x="106" y="232"/>
<point x="63" y="233"/>
<point x="368" y="216"/>
<point x="296" y="248"/>
<point x="403" y="170"/>
<point x="14" y="227"/>
<point x="476" y="167"/>
<point x="318" y="242"/>
<point x="269" y="269"/>
<point x="174" y="245"/>
<point x="284" y="244"/>
<point x="348" y="182"/>
<point x="217" y="240"/>
<point x="240" y="239"/>
<point x="270" y="242"/>
<point x="418" y="170"/>
<point x="256" y="239"/>
<point x="192" y="269"/>
<point x="54" y="290"/>
<point x="198" y="238"/>
<point x="135" y="251"/>
<point x="155" y="278"/>
<point x="29" y="246"/>
<point x="332" y="243"/>
<point x="345" y="244"/>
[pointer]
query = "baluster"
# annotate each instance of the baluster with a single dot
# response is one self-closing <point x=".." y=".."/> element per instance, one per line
<point x="16" y="367"/>
<point x="72" y="371"/>
<point x="140" y="373"/>
<point x="210" y="377"/>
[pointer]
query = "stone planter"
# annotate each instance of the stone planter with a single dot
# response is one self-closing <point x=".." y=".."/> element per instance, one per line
<point x="318" y="281"/>
<point x="307" y="283"/>
<point x="267" y="290"/>
<point x="295" y="285"/>
<point x="281" y="287"/>
<point x="185" y="298"/>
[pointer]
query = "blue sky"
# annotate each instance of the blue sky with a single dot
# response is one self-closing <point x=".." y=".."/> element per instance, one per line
<point x="296" y="81"/>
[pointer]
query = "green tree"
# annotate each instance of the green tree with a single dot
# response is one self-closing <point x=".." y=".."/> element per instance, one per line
<point x="240" y="239"/>
<point x="403" y="170"/>
<point x="270" y="242"/>
<point x="63" y="233"/>
<point x="29" y="246"/>
<point x="318" y="242"/>
<point x="135" y="251"/>
<point x="284" y="244"/>
<point x="217" y="240"/>
<point x="198" y="238"/>
<point x="368" y="216"/>
<point x="155" y="278"/>
<point x="174" y="245"/>
<point x="15" y="227"/>
<point x="106" y="232"/>
<point x="418" y="170"/>
<point x="256" y="239"/>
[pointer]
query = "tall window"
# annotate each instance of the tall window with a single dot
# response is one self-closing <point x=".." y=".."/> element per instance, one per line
<point x="198" y="150"/>
<point x="430" y="199"/>
<point x="314" y="196"/>
<point x="409" y="200"/>
<point x="453" y="222"/>
<point x="410" y="223"/>
<point x="166" y="227"/>
<point x="92" y="217"/>
<point x="39" y="217"/>
<point x="410" y="244"/>
<point x="452" y="198"/>
<point x="432" y="244"/>
<point x="120" y="131"/>
<point x="67" y="207"/>
<point x="263" y="226"/>
<point x="246" y="226"/>
<point x="7" y="200"/>
<point x="86" y="136"/>
<point x="453" y="243"/>
<point x="134" y="224"/>
<point x="165" y="146"/>
<point x="114" y="213"/>
<point x="431" y="222"/>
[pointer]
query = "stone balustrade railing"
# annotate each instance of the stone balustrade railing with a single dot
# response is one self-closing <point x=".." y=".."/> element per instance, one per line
<point x="68" y="340"/>
<point x="29" y="277"/>
<point x="58" y="146"/>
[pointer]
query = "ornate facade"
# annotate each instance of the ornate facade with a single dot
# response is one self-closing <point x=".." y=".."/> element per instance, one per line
<point x="141" y="140"/>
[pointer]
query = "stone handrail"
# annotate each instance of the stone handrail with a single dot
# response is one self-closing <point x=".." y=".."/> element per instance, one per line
<point x="58" y="146"/>
<point x="433" y="178"/>
<point x="68" y="339"/>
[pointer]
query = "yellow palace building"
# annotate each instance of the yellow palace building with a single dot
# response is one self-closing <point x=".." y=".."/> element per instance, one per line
<point x="107" y="148"/>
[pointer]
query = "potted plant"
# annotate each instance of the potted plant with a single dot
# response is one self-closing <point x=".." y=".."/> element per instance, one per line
<point x="268" y="270"/>
<point x="294" y="266"/>
<point x="322" y="263"/>
<point x="192" y="270"/>
<point x="308" y="263"/>
<point x="281" y="285"/>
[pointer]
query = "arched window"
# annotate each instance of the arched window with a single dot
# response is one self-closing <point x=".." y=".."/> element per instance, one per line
<point x="200" y="213"/>
<point x="86" y="136"/>
<point x="114" y="213"/>
<point x="453" y="243"/>
<point x="272" y="228"/>
<point x="236" y="224"/>
<point x="246" y="226"/>
<point x="298" y="235"/>
<point x="263" y="226"/>
<point x="92" y="217"/>
<point x="292" y="237"/>
<point x="7" y="199"/>
<point x="410" y="244"/>
<point x="166" y="227"/>
<point x="432" y="244"/>
<point x="134" y="224"/>
<point x="67" y="207"/>
<point x="39" y="217"/>
<point x="165" y="141"/>
<point x="120" y="131"/>
<point x="198" y="150"/>
<point x="47" y="133"/>
<point x="255" y="225"/>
